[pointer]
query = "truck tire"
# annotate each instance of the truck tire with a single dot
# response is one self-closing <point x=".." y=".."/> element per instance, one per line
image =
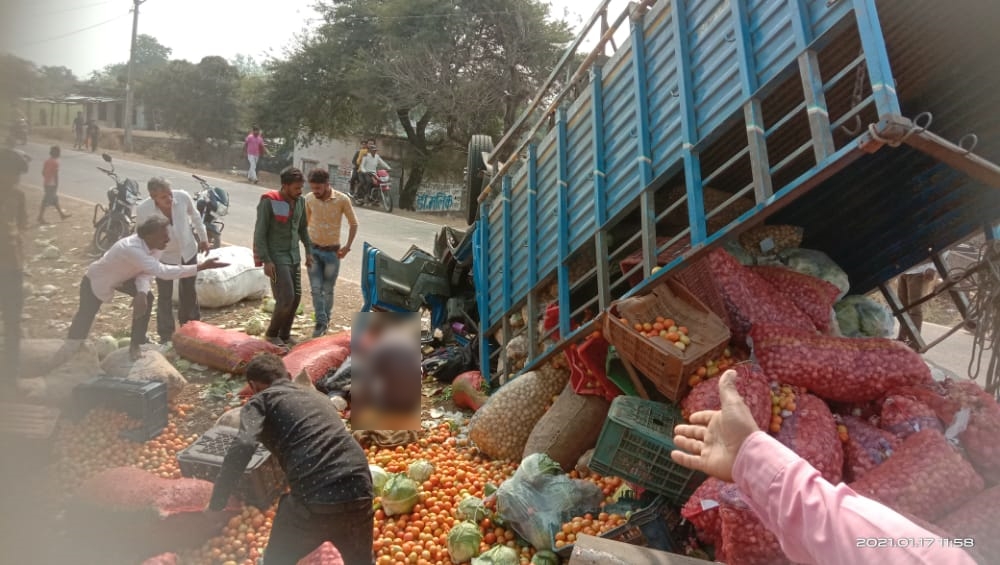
<point x="474" y="180"/>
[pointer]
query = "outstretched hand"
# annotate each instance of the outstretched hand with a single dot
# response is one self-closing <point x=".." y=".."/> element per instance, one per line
<point x="712" y="440"/>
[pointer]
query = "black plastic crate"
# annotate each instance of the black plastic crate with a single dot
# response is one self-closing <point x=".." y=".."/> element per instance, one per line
<point x="656" y="526"/>
<point x="144" y="401"/>
<point x="262" y="481"/>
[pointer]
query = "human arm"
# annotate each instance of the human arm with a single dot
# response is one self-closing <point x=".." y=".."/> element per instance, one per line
<point x="240" y="453"/>
<point x="382" y="162"/>
<point x="198" y="224"/>
<point x="261" y="231"/>
<point x="815" y="521"/>
<point x="352" y="222"/>
<point x="304" y="233"/>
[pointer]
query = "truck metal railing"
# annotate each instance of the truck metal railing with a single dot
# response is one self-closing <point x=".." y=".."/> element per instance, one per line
<point x="676" y="144"/>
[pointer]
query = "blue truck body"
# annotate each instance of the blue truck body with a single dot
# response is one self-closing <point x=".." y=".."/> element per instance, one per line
<point x="874" y="125"/>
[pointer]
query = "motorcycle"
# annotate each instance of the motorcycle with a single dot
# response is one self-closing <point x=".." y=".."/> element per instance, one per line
<point x="212" y="203"/>
<point x="118" y="219"/>
<point x="379" y="191"/>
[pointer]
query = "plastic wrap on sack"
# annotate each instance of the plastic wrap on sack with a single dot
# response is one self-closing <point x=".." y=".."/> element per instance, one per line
<point x="539" y="498"/>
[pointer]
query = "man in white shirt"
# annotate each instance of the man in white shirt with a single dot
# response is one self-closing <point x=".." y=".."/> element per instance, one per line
<point x="130" y="267"/>
<point x="370" y="165"/>
<point x="178" y="208"/>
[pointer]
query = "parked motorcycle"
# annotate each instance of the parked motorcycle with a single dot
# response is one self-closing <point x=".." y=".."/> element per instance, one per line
<point x="118" y="219"/>
<point x="212" y="203"/>
<point x="380" y="191"/>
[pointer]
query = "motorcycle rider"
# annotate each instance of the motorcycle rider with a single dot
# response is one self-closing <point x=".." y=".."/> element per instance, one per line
<point x="356" y="163"/>
<point x="370" y="165"/>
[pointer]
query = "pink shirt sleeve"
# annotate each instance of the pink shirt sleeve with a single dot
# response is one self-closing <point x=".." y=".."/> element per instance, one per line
<point x="817" y="522"/>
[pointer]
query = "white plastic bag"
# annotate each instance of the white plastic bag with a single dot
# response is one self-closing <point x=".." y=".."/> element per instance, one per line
<point x="241" y="280"/>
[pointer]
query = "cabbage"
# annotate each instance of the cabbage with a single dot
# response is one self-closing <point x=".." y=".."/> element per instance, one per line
<point x="860" y="316"/>
<point x="399" y="495"/>
<point x="420" y="471"/>
<point x="498" y="555"/>
<point x="472" y="508"/>
<point x="379" y="478"/>
<point x="106" y="345"/>
<point x="463" y="542"/>
<point x="255" y="327"/>
<point x="545" y="557"/>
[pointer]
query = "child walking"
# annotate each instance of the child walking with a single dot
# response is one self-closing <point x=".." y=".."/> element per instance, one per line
<point x="50" y="180"/>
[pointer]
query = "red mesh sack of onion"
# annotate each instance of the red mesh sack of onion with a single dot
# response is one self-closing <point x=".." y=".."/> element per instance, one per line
<point x="978" y="519"/>
<point x="752" y="386"/>
<point x="811" y="432"/>
<point x="866" y="447"/>
<point x="702" y="510"/>
<point x="745" y="539"/>
<point x="750" y="299"/>
<point x="838" y="369"/>
<point x="814" y="297"/>
<point x="904" y="416"/>
<point x="913" y="479"/>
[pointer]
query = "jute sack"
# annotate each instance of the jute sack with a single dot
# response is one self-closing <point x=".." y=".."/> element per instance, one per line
<point x="500" y="429"/>
<point x="569" y="428"/>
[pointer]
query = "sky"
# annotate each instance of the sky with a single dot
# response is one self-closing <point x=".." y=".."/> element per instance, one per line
<point x="86" y="35"/>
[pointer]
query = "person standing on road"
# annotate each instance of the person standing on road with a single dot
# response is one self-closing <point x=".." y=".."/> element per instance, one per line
<point x="910" y="289"/>
<point x="178" y="209"/>
<point x="50" y="181"/>
<point x="78" y="129"/>
<point x="93" y="135"/>
<point x="331" y="493"/>
<point x="370" y="165"/>
<point x="325" y="210"/>
<point x="130" y="267"/>
<point x="14" y="221"/>
<point x="254" y="149"/>
<point x="281" y="225"/>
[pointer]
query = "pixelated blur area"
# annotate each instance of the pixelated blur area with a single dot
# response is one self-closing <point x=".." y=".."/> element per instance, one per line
<point x="385" y="371"/>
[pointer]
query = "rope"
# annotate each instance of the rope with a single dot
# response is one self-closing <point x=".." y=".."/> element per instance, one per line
<point x="984" y="312"/>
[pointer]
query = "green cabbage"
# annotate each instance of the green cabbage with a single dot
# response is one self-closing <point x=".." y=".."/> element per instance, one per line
<point x="498" y="555"/>
<point x="472" y="508"/>
<point x="379" y="478"/>
<point x="463" y="542"/>
<point x="420" y="471"/>
<point x="545" y="557"/>
<point x="399" y="495"/>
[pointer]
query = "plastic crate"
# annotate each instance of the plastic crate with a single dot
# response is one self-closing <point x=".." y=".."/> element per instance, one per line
<point x="653" y="526"/>
<point x="262" y="481"/>
<point x="144" y="401"/>
<point x="635" y="444"/>
<point x="666" y="366"/>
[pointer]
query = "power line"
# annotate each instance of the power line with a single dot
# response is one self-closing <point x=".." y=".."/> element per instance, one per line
<point x="409" y="16"/>
<point x="74" y="9"/>
<point x="81" y="30"/>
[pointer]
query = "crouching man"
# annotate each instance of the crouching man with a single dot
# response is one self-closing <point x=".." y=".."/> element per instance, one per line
<point x="130" y="266"/>
<point x="331" y="487"/>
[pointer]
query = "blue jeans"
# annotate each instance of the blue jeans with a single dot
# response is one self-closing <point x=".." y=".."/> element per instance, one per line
<point x="322" y="278"/>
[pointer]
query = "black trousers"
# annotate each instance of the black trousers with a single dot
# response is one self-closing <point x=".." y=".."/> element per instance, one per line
<point x="187" y="310"/>
<point x="300" y="528"/>
<point x="287" y="290"/>
<point x="90" y="305"/>
<point x="12" y="303"/>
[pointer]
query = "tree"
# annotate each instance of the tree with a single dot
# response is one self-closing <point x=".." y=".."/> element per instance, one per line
<point x="55" y="81"/>
<point x="250" y="92"/>
<point x="197" y="100"/>
<point x="150" y="56"/>
<point x="442" y="70"/>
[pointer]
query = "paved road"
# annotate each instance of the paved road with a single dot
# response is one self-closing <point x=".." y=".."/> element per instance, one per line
<point x="953" y="353"/>
<point x="80" y="179"/>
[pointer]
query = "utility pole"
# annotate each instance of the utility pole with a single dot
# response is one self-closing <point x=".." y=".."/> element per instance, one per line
<point x="128" y="79"/>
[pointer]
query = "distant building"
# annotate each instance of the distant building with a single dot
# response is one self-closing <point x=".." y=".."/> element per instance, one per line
<point x="108" y="112"/>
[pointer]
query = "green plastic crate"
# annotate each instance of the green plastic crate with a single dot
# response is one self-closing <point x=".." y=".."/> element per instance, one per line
<point x="635" y="444"/>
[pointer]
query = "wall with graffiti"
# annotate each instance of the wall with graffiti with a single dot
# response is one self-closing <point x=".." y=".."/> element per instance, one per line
<point x="439" y="197"/>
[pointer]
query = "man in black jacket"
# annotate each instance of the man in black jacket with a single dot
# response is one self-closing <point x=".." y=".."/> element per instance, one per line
<point x="331" y="487"/>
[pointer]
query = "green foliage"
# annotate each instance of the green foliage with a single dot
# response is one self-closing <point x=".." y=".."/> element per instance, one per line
<point x="150" y="57"/>
<point x="439" y="70"/>
<point x="197" y="100"/>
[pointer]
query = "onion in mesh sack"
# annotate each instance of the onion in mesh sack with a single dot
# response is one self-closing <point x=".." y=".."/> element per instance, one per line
<point x="811" y="432"/>
<point x="917" y="474"/>
<point x="980" y="437"/>
<point x="866" y="447"/>
<point x="814" y="297"/>
<point x="752" y="386"/>
<point x="905" y="416"/>
<point x="745" y="539"/>
<point x="977" y="519"/>
<point x="702" y="510"/>
<point x="838" y="369"/>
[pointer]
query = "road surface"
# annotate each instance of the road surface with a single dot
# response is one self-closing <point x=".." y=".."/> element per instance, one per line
<point x="79" y="178"/>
